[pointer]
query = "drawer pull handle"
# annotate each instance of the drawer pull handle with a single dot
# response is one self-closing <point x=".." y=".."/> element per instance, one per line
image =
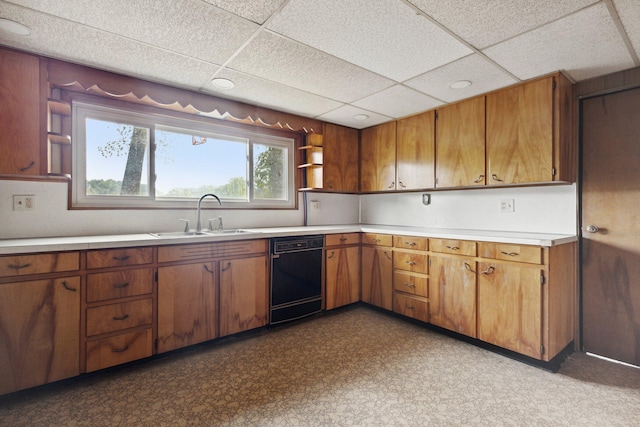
<point x="480" y="179"/>
<point x="67" y="287"/>
<point x="410" y="285"/>
<point x="411" y="262"/>
<point x="376" y="240"/>
<point x="331" y="255"/>
<point x="489" y="270"/>
<point x="227" y="267"/>
<point x="121" y="258"/>
<point x="410" y="243"/>
<point x="509" y="253"/>
<point x="343" y="239"/>
<point x="409" y="307"/>
<point x="125" y="317"/>
<point x="206" y="267"/>
<point x="120" y="350"/>
<point x="453" y="248"/>
<point x="121" y="285"/>
<point x="468" y="267"/>
<point x="387" y="255"/>
<point x="19" y="267"/>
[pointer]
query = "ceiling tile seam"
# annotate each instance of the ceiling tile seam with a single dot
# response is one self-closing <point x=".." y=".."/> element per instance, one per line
<point x="622" y="30"/>
<point x="246" y="43"/>
<point x="366" y="110"/>
<point x="458" y="38"/>
<point x="119" y="36"/>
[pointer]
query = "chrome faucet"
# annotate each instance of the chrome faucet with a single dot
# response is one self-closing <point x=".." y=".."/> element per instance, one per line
<point x="198" y="223"/>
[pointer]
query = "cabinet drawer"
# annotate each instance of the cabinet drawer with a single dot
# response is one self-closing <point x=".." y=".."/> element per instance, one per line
<point x="410" y="283"/>
<point x="119" y="284"/>
<point x="458" y="247"/>
<point x="411" y="242"/>
<point x="506" y="252"/>
<point x="119" y="349"/>
<point x="22" y="265"/>
<point x="114" y="317"/>
<point x="342" y="239"/>
<point x="211" y="250"/>
<point x="410" y="261"/>
<point x="410" y="306"/>
<point x="119" y="257"/>
<point x="377" y="239"/>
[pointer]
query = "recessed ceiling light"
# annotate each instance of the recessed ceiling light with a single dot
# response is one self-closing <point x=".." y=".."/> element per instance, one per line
<point x="14" y="27"/>
<point x="460" y="84"/>
<point x="224" y="84"/>
<point x="360" y="117"/>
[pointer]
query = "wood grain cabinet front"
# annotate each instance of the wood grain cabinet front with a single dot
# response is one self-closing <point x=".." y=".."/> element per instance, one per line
<point x="24" y="265"/>
<point x="119" y="257"/>
<point x="377" y="275"/>
<point x="118" y="349"/>
<point x="342" y="269"/>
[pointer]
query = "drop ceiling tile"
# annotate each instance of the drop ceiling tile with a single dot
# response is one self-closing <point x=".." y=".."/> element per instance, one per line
<point x="483" y="74"/>
<point x="61" y="39"/>
<point x="257" y="91"/>
<point x="345" y="116"/>
<point x="398" y="101"/>
<point x="257" y="11"/>
<point x="387" y="37"/>
<point x="629" y="11"/>
<point x="586" y="44"/>
<point x="484" y="23"/>
<point x="189" y="27"/>
<point x="288" y="62"/>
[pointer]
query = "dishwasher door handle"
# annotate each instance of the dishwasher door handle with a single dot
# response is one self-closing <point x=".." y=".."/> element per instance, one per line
<point x="275" y="256"/>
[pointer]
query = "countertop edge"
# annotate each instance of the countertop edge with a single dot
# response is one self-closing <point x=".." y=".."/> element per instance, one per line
<point x="79" y="243"/>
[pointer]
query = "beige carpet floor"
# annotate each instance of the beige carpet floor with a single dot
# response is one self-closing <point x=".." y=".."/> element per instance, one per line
<point x="354" y="367"/>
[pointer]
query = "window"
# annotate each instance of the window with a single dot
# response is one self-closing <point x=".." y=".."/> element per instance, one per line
<point x="131" y="159"/>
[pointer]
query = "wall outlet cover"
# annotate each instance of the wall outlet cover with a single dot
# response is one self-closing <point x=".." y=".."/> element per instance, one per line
<point x="24" y="202"/>
<point x="426" y="199"/>
<point x="507" y="205"/>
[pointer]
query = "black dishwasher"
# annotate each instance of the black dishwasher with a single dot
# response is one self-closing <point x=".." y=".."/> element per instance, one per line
<point x="296" y="277"/>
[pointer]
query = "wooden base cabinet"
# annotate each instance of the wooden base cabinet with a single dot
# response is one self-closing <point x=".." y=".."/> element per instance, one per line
<point x="342" y="269"/>
<point x="410" y="277"/>
<point x="377" y="270"/>
<point x="40" y="324"/>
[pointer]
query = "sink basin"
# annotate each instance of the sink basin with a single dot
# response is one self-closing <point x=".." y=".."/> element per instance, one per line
<point x="204" y="233"/>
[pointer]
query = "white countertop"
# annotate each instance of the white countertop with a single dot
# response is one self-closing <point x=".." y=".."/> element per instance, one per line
<point x="54" y="244"/>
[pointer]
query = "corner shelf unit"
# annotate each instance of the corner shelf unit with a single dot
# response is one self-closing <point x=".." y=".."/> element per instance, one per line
<point x="312" y="159"/>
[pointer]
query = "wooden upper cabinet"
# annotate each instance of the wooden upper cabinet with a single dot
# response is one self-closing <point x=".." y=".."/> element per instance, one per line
<point x="529" y="133"/>
<point x="378" y="158"/>
<point x="20" y="107"/>
<point x="460" y="144"/>
<point x="415" y="151"/>
<point x="340" y="164"/>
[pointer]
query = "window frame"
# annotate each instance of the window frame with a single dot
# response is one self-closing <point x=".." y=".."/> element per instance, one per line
<point x="86" y="107"/>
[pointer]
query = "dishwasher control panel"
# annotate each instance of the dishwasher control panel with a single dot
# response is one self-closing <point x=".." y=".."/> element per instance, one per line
<point x="296" y="243"/>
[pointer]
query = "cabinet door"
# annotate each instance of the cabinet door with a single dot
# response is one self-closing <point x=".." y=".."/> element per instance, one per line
<point x="416" y="151"/>
<point x="19" y="113"/>
<point x="510" y="307"/>
<point x="452" y="294"/>
<point x="377" y="276"/>
<point x="243" y="294"/>
<point x="186" y="305"/>
<point x="340" y="162"/>
<point x="520" y="134"/>
<point x="40" y="338"/>
<point x="378" y="158"/>
<point x="460" y="144"/>
<point x="342" y="267"/>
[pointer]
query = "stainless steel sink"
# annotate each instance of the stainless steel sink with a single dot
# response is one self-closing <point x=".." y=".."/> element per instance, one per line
<point x="207" y="233"/>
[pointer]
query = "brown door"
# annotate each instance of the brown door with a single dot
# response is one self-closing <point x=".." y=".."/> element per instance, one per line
<point x="611" y="225"/>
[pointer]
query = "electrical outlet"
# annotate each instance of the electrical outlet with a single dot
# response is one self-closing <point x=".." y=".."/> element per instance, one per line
<point x="507" y="205"/>
<point x="426" y="199"/>
<point x="315" y="205"/>
<point x="24" y="202"/>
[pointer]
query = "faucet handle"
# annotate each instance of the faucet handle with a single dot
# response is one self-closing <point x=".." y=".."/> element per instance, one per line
<point x="186" y="225"/>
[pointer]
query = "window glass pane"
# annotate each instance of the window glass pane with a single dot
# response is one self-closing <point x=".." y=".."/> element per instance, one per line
<point x="117" y="157"/>
<point x="269" y="172"/>
<point x="190" y="165"/>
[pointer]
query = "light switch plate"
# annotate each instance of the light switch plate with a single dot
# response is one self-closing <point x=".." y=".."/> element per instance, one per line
<point x="507" y="205"/>
<point x="426" y="199"/>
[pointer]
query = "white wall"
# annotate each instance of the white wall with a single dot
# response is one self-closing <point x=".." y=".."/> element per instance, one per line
<point x="52" y="218"/>
<point x="548" y="209"/>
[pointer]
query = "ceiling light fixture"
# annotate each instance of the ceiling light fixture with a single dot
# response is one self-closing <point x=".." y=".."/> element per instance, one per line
<point x="460" y="84"/>
<point x="223" y="84"/>
<point x="14" y="27"/>
<point x="360" y="117"/>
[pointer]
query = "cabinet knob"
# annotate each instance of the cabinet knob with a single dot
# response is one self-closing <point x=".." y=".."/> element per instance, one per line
<point x="592" y="228"/>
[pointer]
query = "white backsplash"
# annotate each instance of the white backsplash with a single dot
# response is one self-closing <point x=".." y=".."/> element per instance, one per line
<point x="550" y="209"/>
<point x="546" y="209"/>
